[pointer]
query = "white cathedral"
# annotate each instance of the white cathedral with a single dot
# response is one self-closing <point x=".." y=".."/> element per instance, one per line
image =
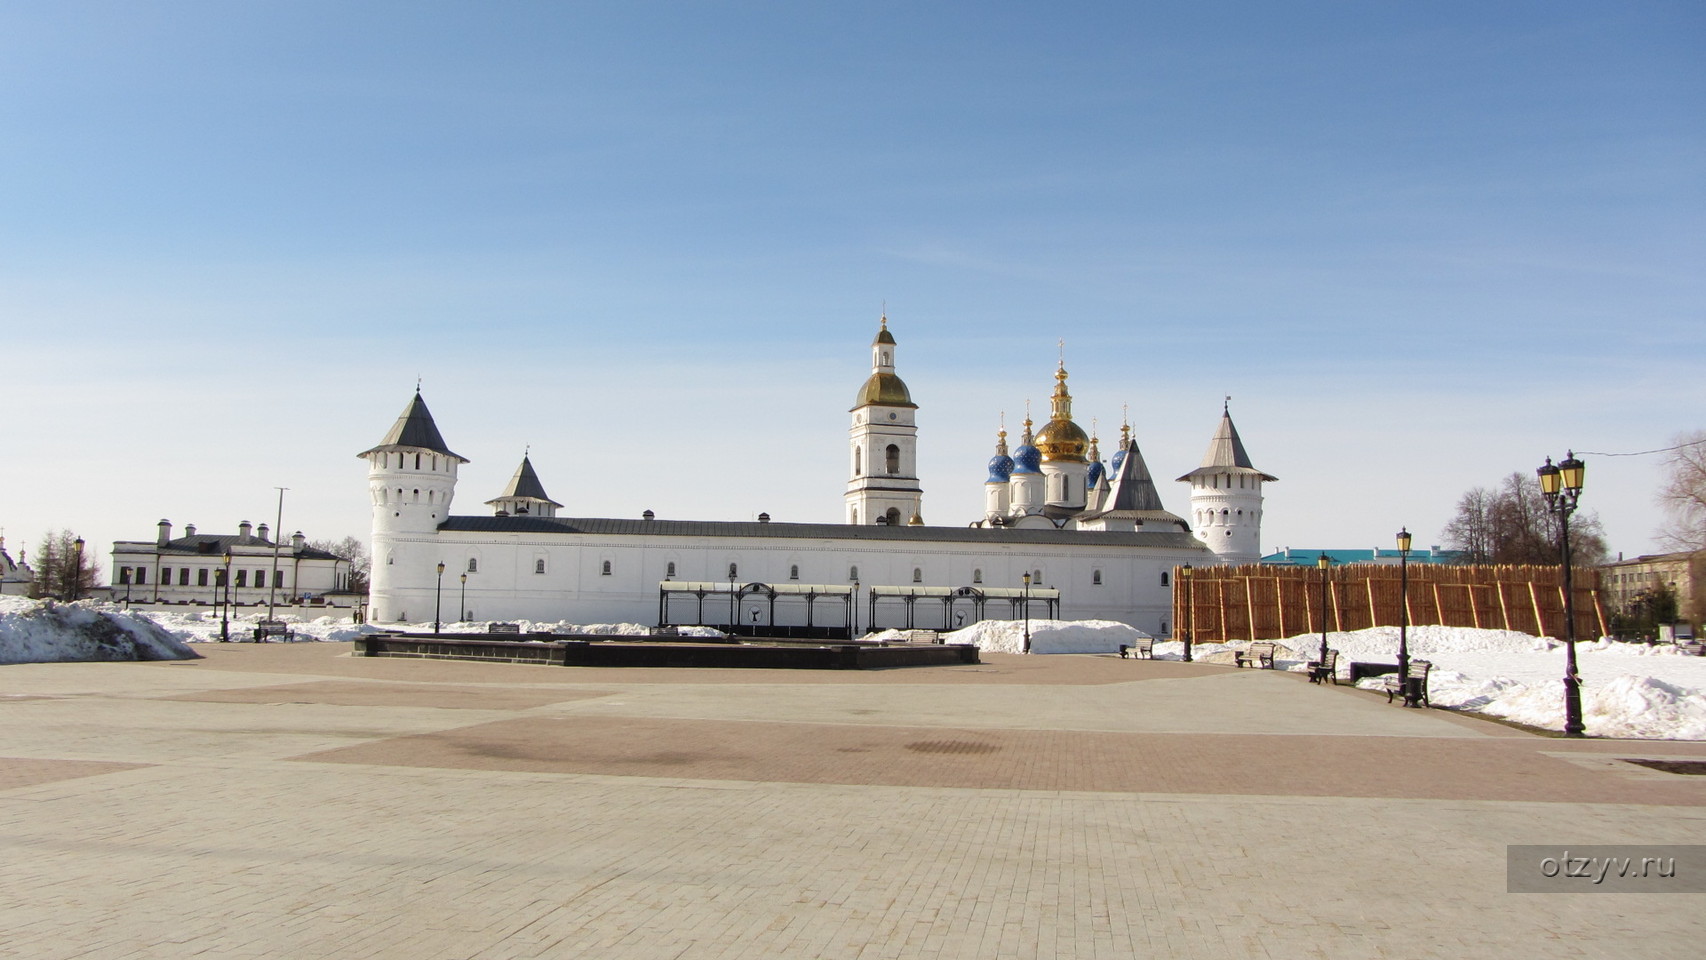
<point x="1095" y="540"/>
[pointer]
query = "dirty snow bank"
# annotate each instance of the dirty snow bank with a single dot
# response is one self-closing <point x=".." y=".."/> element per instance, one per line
<point x="43" y="631"/>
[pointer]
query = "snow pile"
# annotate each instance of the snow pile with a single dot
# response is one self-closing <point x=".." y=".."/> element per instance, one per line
<point x="195" y="626"/>
<point x="1628" y="689"/>
<point x="42" y="631"/>
<point x="1628" y="706"/>
<point x="1047" y="636"/>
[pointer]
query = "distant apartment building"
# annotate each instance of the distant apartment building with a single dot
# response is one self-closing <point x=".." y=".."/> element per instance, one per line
<point x="1622" y="581"/>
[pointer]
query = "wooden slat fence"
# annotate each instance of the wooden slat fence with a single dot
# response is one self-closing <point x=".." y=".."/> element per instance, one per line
<point x="1256" y="602"/>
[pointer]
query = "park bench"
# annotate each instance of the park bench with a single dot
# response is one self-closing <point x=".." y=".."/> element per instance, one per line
<point x="1394" y="687"/>
<point x="922" y="636"/>
<point x="503" y="628"/>
<point x="1258" y="655"/>
<point x="1144" y="647"/>
<point x="1328" y="669"/>
<point x="267" y="629"/>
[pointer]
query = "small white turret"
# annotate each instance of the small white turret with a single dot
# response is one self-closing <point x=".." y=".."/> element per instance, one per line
<point x="1226" y="497"/>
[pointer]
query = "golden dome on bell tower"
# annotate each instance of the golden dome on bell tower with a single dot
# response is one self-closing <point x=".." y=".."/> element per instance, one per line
<point x="1060" y="438"/>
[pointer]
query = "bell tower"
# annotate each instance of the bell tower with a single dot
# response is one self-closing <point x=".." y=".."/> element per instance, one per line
<point x="883" y="445"/>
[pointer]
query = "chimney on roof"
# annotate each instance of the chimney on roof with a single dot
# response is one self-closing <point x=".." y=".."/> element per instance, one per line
<point x="189" y="529"/>
<point x="764" y="518"/>
<point x="263" y="531"/>
<point x="297" y="541"/>
<point x="165" y="533"/>
<point x="648" y="515"/>
<point x="244" y="530"/>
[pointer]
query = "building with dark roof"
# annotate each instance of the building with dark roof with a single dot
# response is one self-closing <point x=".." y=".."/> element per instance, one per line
<point x="246" y="569"/>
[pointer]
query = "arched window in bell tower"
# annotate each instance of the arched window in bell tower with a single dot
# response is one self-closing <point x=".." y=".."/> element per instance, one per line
<point x="891" y="459"/>
<point x="858" y="462"/>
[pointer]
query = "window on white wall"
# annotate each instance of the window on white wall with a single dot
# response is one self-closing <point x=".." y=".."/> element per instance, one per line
<point x="473" y="564"/>
<point x="794" y="572"/>
<point x="917" y="575"/>
<point x="1096" y="578"/>
<point x="603" y="570"/>
<point x="977" y="576"/>
<point x="669" y="571"/>
<point x="539" y="565"/>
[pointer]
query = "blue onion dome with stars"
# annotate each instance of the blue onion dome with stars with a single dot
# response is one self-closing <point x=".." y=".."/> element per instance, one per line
<point x="1000" y="465"/>
<point x="1027" y="459"/>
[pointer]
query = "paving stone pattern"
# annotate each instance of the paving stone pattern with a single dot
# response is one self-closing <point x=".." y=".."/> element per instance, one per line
<point x="285" y="801"/>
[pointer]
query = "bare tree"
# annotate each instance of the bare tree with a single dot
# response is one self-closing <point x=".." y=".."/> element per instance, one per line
<point x="1471" y="530"/>
<point x="353" y="550"/>
<point x="1512" y="525"/>
<point x="1684" y="494"/>
<point x="63" y="571"/>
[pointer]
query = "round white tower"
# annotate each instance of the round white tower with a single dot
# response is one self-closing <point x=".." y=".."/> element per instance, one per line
<point x="1226" y="497"/>
<point x="883" y="444"/>
<point x="411" y="479"/>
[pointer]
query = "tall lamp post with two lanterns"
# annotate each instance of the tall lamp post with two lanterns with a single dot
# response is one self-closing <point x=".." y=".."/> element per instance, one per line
<point x="1562" y="486"/>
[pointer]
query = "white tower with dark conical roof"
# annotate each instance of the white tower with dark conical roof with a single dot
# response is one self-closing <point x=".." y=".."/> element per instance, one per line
<point x="411" y="478"/>
<point x="1226" y="496"/>
<point x="883" y="445"/>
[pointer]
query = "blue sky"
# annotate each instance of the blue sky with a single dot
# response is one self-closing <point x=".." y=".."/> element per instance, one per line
<point x="1420" y="247"/>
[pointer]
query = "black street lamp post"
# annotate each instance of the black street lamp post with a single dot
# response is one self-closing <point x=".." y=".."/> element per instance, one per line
<point x="1410" y="693"/>
<point x="437" y="593"/>
<point x="225" y="611"/>
<point x="77" y="569"/>
<point x="853" y="624"/>
<point x="1190" y="602"/>
<point x="1326" y="564"/>
<point x="1562" y="486"/>
<point x="462" y="603"/>
<point x="734" y="620"/>
<point x="1027" y="605"/>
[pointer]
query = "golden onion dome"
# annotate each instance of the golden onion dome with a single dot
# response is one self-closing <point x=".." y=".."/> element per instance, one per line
<point x="885" y="390"/>
<point x="1060" y="438"/>
<point x="1063" y="440"/>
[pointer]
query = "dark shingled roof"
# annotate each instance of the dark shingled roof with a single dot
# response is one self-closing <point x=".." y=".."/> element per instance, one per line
<point x="819" y="531"/>
<point x="216" y="544"/>
<point x="525" y="485"/>
<point x="1226" y="454"/>
<point x="414" y="430"/>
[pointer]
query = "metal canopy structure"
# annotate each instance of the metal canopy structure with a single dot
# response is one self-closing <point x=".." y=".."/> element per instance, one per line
<point x="751" y="608"/>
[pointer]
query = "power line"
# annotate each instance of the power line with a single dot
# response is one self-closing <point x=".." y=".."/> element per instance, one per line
<point x="1642" y="453"/>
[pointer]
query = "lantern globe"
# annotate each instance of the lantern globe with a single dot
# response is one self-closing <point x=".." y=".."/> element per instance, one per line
<point x="1549" y="478"/>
